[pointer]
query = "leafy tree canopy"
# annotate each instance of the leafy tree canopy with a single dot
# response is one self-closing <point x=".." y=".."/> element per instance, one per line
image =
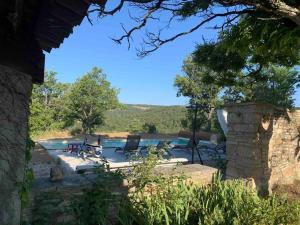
<point x="277" y="90"/>
<point x="203" y="87"/>
<point x="47" y="104"/>
<point x="89" y="97"/>
<point x="248" y="47"/>
<point x="265" y="20"/>
<point x="205" y="96"/>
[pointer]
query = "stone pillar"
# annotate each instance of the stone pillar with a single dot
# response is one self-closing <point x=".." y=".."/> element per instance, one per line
<point x="15" y="91"/>
<point x="262" y="144"/>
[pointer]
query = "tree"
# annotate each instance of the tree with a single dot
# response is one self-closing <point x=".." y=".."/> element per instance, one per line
<point x="89" y="97"/>
<point x="282" y="15"/>
<point x="205" y="96"/>
<point x="277" y="90"/>
<point x="249" y="47"/>
<point x="47" y="104"/>
<point x="150" y="128"/>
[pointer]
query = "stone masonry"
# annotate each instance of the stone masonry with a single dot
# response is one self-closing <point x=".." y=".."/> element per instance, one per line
<point x="263" y="144"/>
<point x="51" y="202"/>
<point x="15" y="91"/>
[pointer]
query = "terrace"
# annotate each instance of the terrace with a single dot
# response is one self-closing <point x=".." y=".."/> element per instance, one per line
<point x="71" y="162"/>
<point x="262" y="141"/>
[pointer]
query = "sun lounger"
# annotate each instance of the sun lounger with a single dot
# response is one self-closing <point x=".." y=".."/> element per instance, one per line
<point x="131" y="146"/>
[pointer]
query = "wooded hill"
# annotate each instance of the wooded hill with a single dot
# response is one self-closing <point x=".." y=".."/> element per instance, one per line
<point x="147" y="118"/>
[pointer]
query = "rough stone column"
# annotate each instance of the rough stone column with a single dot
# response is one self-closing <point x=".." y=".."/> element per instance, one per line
<point x="263" y="144"/>
<point x="15" y="91"/>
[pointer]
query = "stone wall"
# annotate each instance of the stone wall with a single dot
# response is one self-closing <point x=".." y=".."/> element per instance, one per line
<point x="15" y="91"/>
<point x="263" y="144"/>
<point x="51" y="202"/>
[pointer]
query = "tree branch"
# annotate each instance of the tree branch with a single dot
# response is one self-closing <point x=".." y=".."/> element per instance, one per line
<point x="276" y="9"/>
<point x="155" y="41"/>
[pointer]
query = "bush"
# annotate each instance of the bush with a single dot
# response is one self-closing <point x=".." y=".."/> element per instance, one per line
<point x="76" y="129"/>
<point x="95" y="205"/>
<point x="160" y="200"/>
<point x="150" y="128"/>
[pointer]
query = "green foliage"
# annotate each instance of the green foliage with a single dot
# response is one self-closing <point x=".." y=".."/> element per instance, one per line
<point x="204" y="95"/>
<point x="56" y="106"/>
<point x="230" y="202"/>
<point x="47" y="105"/>
<point x="249" y="46"/>
<point x="149" y="128"/>
<point x="94" y="206"/>
<point x="75" y="131"/>
<point x="160" y="200"/>
<point x="277" y="90"/>
<point x="132" y="118"/>
<point x="171" y="200"/>
<point x="190" y="8"/>
<point x="89" y="97"/>
<point x="28" y="174"/>
<point x="52" y="108"/>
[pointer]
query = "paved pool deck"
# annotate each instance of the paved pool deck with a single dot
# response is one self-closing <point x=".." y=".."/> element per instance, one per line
<point x="72" y="162"/>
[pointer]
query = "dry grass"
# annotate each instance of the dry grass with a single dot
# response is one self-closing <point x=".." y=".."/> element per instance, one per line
<point x="52" y="135"/>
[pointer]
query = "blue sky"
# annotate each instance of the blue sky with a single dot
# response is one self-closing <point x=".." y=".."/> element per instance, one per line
<point x="145" y="81"/>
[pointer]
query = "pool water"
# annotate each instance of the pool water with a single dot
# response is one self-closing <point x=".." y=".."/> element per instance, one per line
<point x="110" y="143"/>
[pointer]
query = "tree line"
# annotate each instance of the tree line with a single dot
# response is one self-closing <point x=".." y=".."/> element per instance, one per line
<point x="201" y="84"/>
<point x="91" y="104"/>
<point x="57" y="106"/>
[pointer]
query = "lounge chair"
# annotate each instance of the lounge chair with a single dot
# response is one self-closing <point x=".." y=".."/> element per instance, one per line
<point x="132" y="144"/>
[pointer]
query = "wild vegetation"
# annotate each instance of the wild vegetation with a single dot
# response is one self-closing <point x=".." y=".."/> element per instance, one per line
<point x="200" y="83"/>
<point x="145" y="118"/>
<point x="160" y="200"/>
<point x="90" y="104"/>
<point x="56" y="106"/>
<point x="255" y="50"/>
<point x="87" y="100"/>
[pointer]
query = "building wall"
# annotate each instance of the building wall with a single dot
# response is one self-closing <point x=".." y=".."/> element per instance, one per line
<point x="15" y="91"/>
<point x="263" y="144"/>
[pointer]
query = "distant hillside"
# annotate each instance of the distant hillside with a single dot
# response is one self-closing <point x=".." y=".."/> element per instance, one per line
<point x="132" y="118"/>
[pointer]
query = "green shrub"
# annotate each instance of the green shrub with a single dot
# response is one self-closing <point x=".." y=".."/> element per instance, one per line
<point x="93" y="207"/>
<point x="149" y="128"/>
<point x="161" y="200"/>
<point x="232" y="203"/>
<point x="75" y="131"/>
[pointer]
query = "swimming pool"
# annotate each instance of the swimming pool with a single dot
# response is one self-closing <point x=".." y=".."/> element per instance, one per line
<point x="109" y="143"/>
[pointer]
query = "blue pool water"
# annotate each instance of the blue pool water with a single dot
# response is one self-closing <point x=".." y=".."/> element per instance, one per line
<point x="109" y="143"/>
